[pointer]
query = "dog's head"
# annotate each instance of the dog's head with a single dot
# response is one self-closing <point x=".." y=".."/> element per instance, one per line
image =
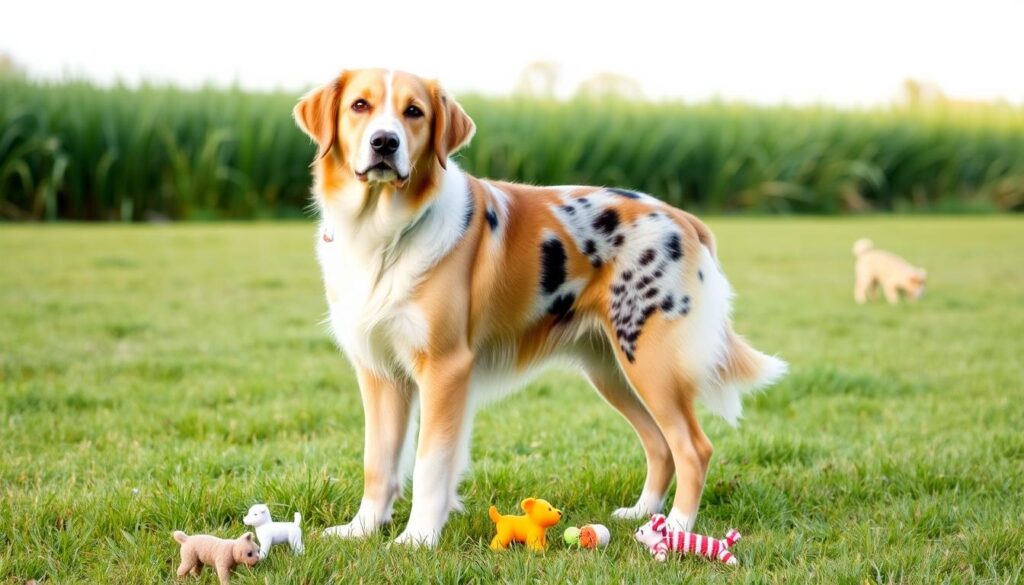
<point x="541" y="512"/>
<point x="913" y="282"/>
<point x="652" y="532"/>
<point x="258" y="515"/>
<point x="382" y="128"/>
<point x="244" y="550"/>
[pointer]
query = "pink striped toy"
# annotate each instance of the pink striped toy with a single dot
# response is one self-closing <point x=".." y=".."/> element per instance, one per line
<point x="660" y="539"/>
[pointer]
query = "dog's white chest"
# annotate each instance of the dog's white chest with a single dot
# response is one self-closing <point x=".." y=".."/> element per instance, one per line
<point x="372" y="316"/>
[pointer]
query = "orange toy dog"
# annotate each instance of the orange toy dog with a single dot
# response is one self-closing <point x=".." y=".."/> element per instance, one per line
<point x="540" y="515"/>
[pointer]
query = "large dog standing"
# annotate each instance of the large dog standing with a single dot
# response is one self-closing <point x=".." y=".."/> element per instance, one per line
<point x="446" y="291"/>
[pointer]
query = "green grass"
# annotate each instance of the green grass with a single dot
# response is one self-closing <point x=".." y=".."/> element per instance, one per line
<point x="75" y="150"/>
<point x="161" y="378"/>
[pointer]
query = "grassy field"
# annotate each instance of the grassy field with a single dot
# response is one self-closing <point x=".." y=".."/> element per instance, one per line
<point x="160" y="378"/>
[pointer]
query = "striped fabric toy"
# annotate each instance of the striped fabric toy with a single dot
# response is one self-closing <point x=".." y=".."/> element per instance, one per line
<point x="657" y="536"/>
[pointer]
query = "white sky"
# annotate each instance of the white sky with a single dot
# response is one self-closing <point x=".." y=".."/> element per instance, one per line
<point x="768" y="51"/>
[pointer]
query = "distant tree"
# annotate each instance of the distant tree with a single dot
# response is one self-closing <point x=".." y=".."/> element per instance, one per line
<point x="605" y="85"/>
<point x="917" y="92"/>
<point x="9" y="68"/>
<point x="538" y="79"/>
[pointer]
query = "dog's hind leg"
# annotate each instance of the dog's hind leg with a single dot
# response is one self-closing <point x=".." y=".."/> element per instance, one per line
<point x="607" y="378"/>
<point x="387" y="405"/>
<point x="669" y="391"/>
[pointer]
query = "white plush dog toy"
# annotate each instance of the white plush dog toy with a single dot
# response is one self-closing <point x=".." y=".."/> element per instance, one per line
<point x="270" y="533"/>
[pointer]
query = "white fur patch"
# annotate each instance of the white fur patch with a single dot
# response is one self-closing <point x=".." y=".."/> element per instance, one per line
<point x="373" y="268"/>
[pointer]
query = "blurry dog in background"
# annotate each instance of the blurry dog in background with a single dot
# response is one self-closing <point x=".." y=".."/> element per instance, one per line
<point x="878" y="268"/>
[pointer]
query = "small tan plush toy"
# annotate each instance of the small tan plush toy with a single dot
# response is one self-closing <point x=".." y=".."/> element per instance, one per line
<point x="202" y="549"/>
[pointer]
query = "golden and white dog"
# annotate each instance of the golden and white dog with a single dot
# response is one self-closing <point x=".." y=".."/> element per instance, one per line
<point x="878" y="268"/>
<point x="446" y="291"/>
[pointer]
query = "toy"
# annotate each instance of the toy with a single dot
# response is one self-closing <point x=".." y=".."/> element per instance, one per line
<point x="660" y="539"/>
<point x="202" y="549"/>
<point x="571" y="536"/>
<point x="529" y="529"/>
<point x="590" y="536"/>
<point x="270" y="533"/>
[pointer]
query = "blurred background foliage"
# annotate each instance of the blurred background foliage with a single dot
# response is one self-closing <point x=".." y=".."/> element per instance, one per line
<point x="74" y="150"/>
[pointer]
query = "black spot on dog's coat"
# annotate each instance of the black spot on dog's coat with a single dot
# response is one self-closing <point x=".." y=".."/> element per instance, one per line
<point x="674" y="247"/>
<point x="624" y="193"/>
<point x="647" y="257"/>
<point x="627" y="275"/>
<point x="607" y="221"/>
<point x="700" y="275"/>
<point x="667" y="304"/>
<point x="618" y="240"/>
<point x="552" y="259"/>
<point x="561" y="307"/>
<point x="492" y="218"/>
<point x="569" y="209"/>
<point x="470" y="210"/>
<point x="589" y="247"/>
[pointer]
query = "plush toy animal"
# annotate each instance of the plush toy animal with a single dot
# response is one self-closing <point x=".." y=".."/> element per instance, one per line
<point x="202" y="549"/>
<point x="529" y="529"/>
<point x="660" y="539"/>
<point x="271" y="533"/>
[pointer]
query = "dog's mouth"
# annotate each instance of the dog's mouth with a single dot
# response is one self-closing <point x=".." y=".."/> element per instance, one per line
<point x="382" y="171"/>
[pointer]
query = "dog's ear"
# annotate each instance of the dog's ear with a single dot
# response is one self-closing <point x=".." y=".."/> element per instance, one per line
<point x="452" y="127"/>
<point x="317" y="114"/>
<point x="246" y="536"/>
<point x="527" y="504"/>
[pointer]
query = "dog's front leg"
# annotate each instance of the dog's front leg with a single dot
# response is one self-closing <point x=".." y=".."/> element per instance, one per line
<point x="444" y="385"/>
<point x="386" y="408"/>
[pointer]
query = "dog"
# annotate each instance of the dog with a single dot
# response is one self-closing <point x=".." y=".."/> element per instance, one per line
<point x="530" y="529"/>
<point x="446" y="291"/>
<point x="202" y="549"/>
<point x="270" y="533"/>
<point x="893" y="274"/>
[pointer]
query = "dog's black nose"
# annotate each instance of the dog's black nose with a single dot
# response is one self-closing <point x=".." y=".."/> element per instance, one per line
<point x="384" y="143"/>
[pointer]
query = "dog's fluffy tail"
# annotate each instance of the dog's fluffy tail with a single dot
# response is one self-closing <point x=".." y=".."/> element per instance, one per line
<point x="495" y="516"/>
<point x="742" y="370"/>
<point x="862" y="245"/>
<point x="180" y="536"/>
<point x="298" y="518"/>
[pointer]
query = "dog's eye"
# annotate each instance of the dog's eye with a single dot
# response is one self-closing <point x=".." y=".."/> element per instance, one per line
<point x="249" y="554"/>
<point x="360" y="105"/>
<point x="413" y="112"/>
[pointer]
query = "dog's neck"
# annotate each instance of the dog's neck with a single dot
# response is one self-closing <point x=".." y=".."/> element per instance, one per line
<point x="376" y="220"/>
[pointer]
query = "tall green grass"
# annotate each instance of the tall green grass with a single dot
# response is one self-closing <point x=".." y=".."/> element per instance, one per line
<point x="74" y="150"/>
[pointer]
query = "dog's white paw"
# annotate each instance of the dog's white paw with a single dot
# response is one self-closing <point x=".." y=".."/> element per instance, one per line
<point x="418" y="538"/>
<point x="632" y="513"/>
<point x="354" y="529"/>
<point x="678" y="521"/>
